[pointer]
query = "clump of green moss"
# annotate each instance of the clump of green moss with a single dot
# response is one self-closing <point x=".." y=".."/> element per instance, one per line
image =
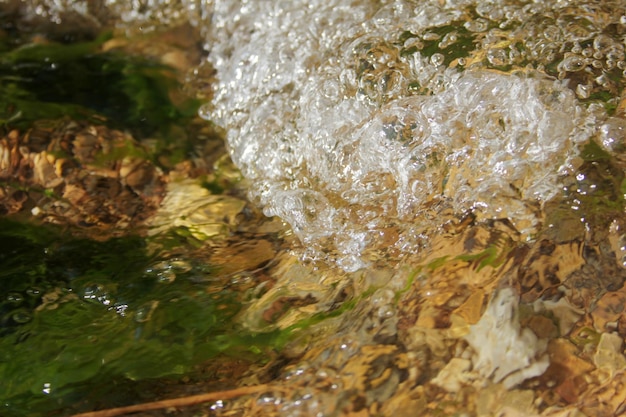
<point x="78" y="314"/>
<point x="48" y="81"/>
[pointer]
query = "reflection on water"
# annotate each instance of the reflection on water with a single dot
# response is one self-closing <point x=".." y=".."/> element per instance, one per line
<point x="454" y="170"/>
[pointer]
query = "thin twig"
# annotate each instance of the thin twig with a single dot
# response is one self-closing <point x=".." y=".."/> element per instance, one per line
<point x="178" y="402"/>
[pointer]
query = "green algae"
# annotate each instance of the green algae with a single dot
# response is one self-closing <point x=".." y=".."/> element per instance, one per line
<point x="51" y="81"/>
<point x="79" y="313"/>
<point x="81" y="319"/>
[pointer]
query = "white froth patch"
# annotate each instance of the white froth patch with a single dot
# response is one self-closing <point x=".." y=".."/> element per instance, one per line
<point x="321" y="119"/>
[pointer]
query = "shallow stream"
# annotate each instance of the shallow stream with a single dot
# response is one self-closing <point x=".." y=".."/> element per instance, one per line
<point x="424" y="212"/>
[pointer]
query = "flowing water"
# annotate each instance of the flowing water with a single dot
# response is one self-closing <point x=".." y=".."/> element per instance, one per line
<point x="356" y="132"/>
<point x="453" y="172"/>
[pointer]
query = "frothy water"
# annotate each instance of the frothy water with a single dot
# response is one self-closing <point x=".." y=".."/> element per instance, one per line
<point x="371" y="127"/>
<point x="361" y="122"/>
<point x="359" y="139"/>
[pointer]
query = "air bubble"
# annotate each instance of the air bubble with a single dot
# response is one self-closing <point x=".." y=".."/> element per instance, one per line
<point x="144" y="312"/>
<point x="477" y="25"/>
<point x="448" y="40"/>
<point x="166" y="276"/>
<point x="331" y="89"/>
<point x="218" y="405"/>
<point x="583" y="91"/>
<point x="91" y="291"/>
<point x="15" y="298"/>
<point x="437" y="59"/>
<point x="269" y="398"/>
<point x="385" y="312"/>
<point x="295" y="371"/>
<point x="497" y="57"/>
<point x="431" y="36"/>
<point x="613" y="134"/>
<point x="621" y="250"/>
<point x="602" y="43"/>
<point x="572" y="64"/>
<point x="603" y="80"/>
<point x="552" y="33"/>
<point x="33" y="292"/>
<point x="21" y="316"/>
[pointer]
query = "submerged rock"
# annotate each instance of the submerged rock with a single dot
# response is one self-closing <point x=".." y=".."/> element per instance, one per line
<point x="80" y="175"/>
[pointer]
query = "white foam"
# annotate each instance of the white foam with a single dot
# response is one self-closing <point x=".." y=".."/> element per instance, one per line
<point x="316" y="98"/>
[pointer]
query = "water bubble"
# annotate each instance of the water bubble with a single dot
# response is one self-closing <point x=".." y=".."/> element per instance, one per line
<point x="120" y="309"/>
<point x="552" y="33"/>
<point x="583" y="91"/>
<point x="269" y="398"/>
<point x="331" y="89"/>
<point x="96" y="292"/>
<point x="615" y="55"/>
<point x="15" y="298"/>
<point x="413" y="44"/>
<point x="382" y="297"/>
<point x="448" y="40"/>
<point x="385" y="312"/>
<point x="621" y="250"/>
<point x="603" y="80"/>
<point x="613" y="134"/>
<point x="437" y="59"/>
<point x="167" y="271"/>
<point x="166" y="276"/>
<point x="497" y="57"/>
<point x="431" y="36"/>
<point x="219" y="404"/>
<point x="477" y="25"/>
<point x="296" y="371"/>
<point x="603" y="43"/>
<point x="144" y="312"/>
<point x="34" y="292"/>
<point x="572" y="63"/>
<point x="21" y="316"/>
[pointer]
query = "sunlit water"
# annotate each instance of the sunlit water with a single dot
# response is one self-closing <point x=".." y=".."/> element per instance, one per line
<point x="361" y="122"/>
<point x="359" y="141"/>
<point x="370" y="128"/>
